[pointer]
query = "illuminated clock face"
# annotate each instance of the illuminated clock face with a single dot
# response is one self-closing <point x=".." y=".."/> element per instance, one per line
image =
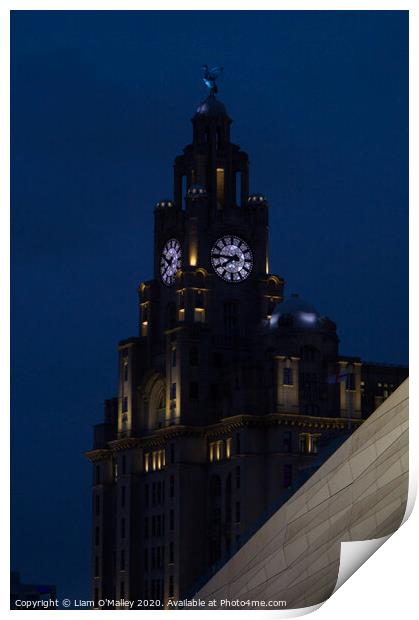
<point x="170" y="261"/>
<point x="231" y="258"/>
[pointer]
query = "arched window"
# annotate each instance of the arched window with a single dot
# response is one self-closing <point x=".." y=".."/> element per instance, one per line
<point x="157" y="405"/>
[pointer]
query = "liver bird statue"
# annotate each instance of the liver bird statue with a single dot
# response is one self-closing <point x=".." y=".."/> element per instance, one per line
<point x="209" y="77"/>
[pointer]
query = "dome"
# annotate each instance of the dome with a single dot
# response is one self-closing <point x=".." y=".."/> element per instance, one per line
<point x="211" y="107"/>
<point x="297" y="312"/>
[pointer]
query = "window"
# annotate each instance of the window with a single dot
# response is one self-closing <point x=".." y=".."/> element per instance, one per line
<point x="199" y="315"/>
<point x="123" y="493"/>
<point x="97" y="474"/>
<point x="193" y="390"/>
<point x="173" y="391"/>
<point x="171" y="586"/>
<point x="237" y="512"/>
<point x="238" y="477"/>
<point x="122" y="528"/>
<point x="315" y="443"/>
<point x="115" y="471"/>
<point x="97" y="505"/>
<point x="228" y="448"/>
<point x="193" y="356"/>
<point x="350" y="381"/>
<point x="217" y="360"/>
<point x="125" y="368"/>
<point x="146" y="461"/>
<point x="172" y="520"/>
<point x="287" y="479"/>
<point x="287" y="376"/>
<point x="220" y="186"/>
<point x="145" y="527"/>
<point x="172" y="452"/>
<point x="171" y="552"/>
<point x="173" y="358"/>
<point x="215" y="391"/>
<point x="172" y="486"/>
<point x="287" y="441"/>
<point x="124" y="464"/>
<point x="304" y="443"/>
<point x="124" y="404"/>
<point x="122" y="559"/>
<point x="146" y="494"/>
<point x="215" y="451"/>
<point x="231" y="316"/>
<point x="97" y="536"/>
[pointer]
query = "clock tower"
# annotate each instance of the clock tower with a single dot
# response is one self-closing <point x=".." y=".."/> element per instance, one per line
<point x="211" y="280"/>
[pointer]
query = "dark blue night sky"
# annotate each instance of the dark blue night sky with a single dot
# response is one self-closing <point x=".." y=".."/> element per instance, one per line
<point x="101" y="103"/>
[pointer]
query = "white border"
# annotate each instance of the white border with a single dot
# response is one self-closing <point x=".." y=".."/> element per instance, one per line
<point x="386" y="585"/>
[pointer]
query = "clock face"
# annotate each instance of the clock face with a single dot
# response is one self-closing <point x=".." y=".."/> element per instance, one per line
<point x="231" y="258"/>
<point x="170" y="261"/>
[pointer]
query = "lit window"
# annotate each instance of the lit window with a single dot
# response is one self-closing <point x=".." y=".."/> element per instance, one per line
<point x="220" y="185"/>
<point x="147" y="461"/>
<point x="199" y="315"/>
<point x="228" y="448"/>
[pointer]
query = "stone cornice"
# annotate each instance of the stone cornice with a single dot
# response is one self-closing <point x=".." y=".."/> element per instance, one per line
<point x="226" y="425"/>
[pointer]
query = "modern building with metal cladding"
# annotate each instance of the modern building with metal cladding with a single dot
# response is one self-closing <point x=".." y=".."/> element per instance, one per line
<point x="229" y="397"/>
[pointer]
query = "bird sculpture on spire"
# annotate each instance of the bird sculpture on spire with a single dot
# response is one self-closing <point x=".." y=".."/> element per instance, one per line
<point x="209" y="78"/>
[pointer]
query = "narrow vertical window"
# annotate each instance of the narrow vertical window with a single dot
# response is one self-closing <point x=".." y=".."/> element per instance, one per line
<point x="238" y="481"/>
<point x="287" y="475"/>
<point x="171" y="586"/>
<point x="237" y="512"/>
<point x="97" y="505"/>
<point x="238" y="446"/>
<point x="228" y="448"/>
<point x="220" y="186"/>
<point x="172" y="519"/>
<point x="287" y="376"/>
